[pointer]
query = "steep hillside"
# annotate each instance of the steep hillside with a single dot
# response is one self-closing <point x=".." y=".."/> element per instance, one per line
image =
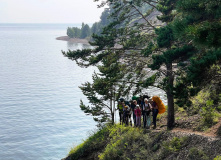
<point x="120" y="142"/>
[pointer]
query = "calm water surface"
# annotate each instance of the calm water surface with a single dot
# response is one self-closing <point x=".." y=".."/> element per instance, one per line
<point x="40" y="117"/>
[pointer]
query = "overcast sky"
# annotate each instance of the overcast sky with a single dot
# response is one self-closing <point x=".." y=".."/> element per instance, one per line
<point x="49" y="11"/>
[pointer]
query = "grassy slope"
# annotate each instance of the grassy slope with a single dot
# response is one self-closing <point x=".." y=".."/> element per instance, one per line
<point x="120" y="142"/>
<point x="196" y="136"/>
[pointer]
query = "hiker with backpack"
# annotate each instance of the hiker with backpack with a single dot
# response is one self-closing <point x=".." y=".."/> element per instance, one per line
<point x="129" y="112"/>
<point x="120" y="108"/>
<point x="124" y="112"/>
<point x="126" y="115"/>
<point x="146" y="114"/>
<point x="155" y="111"/>
<point x="157" y="107"/>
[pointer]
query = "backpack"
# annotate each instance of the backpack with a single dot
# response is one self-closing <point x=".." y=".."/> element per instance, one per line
<point x="161" y="106"/>
<point x="146" y="108"/>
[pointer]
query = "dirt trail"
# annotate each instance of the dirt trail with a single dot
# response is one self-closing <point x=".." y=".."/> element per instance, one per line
<point x="212" y="133"/>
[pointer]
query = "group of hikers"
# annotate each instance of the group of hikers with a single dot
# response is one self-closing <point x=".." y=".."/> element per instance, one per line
<point x="137" y="108"/>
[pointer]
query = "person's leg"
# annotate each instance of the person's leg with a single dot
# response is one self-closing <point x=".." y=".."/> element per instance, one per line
<point x="144" y="120"/>
<point x="126" y="119"/>
<point x="130" y="120"/>
<point x="134" y="117"/>
<point x="123" y="117"/>
<point x="140" y="121"/>
<point x="155" y="112"/>
<point x="137" y="121"/>
<point x="148" y="122"/>
<point x="154" y="118"/>
<point x="143" y="114"/>
<point x="120" y="115"/>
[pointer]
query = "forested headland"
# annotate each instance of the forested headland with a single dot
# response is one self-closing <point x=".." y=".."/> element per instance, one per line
<point x="174" y="45"/>
<point x="86" y="31"/>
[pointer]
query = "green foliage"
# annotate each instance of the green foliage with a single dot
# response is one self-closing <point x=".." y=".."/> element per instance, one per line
<point x="148" y="50"/>
<point x="74" y="32"/>
<point x="105" y="20"/>
<point x="95" y="142"/>
<point x="195" y="153"/>
<point x="95" y="28"/>
<point x="85" y="31"/>
<point x="171" y="55"/>
<point x="196" y="70"/>
<point x="203" y="104"/>
<point x="124" y="144"/>
<point x="208" y="113"/>
<point x="165" y="36"/>
<point x="199" y="101"/>
<point x="204" y="27"/>
<point x="166" y="7"/>
<point x="139" y="45"/>
<point x="101" y="91"/>
<point x="172" y="146"/>
<point x="70" y="32"/>
<point x="200" y="72"/>
<point x="150" y="81"/>
<point x="175" y="144"/>
<point x="198" y="23"/>
<point x="217" y="158"/>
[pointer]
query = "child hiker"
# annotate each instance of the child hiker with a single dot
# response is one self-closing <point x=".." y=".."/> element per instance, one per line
<point x="138" y="116"/>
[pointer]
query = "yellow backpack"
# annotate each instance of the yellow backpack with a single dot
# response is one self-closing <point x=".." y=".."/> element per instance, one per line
<point x="161" y="106"/>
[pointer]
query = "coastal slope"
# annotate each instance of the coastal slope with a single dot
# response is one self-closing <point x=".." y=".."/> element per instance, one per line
<point x="122" y="142"/>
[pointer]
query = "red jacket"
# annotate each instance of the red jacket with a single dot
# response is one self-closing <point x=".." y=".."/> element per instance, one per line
<point x="138" y="112"/>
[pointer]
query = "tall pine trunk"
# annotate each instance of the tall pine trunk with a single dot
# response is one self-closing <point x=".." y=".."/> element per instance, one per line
<point x="112" y="117"/>
<point x="170" y="98"/>
<point x="112" y="108"/>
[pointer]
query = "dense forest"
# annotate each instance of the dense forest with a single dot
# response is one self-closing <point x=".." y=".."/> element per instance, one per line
<point x="174" y="45"/>
<point x="86" y="31"/>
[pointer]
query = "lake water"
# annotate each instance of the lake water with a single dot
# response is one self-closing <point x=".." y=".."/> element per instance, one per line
<point x="40" y="117"/>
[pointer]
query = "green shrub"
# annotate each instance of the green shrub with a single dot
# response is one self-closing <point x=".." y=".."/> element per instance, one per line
<point x="155" y="147"/>
<point x="122" y="139"/>
<point x="217" y="158"/>
<point x="95" y="142"/>
<point x="208" y="113"/>
<point x="219" y="104"/>
<point x="195" y="153"/>
<point x="175" y="144"/>
<point x="172" y="146"/>
<point x="199" y="101"/>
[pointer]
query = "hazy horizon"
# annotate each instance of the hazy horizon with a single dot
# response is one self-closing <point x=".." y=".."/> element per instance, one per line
<point x="42" y="23"/>
<point x="49" y="11"/>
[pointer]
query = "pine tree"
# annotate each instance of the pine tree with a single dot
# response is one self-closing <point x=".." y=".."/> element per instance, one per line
<point x="129" y="40"/>
<point x="140" y="45"/>
<point x="70" y="32"/>
<point x="101" y="93"/>
<point x="85" y="31"/>
<point x="199" y="24"/>
<point x="171" y="52"/>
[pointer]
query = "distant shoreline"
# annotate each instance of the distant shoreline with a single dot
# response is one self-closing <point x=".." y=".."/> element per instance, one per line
<point x="74" y="40"/>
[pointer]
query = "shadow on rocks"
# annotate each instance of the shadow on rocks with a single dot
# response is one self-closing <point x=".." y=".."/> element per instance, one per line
<point x="218" y="132"/>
